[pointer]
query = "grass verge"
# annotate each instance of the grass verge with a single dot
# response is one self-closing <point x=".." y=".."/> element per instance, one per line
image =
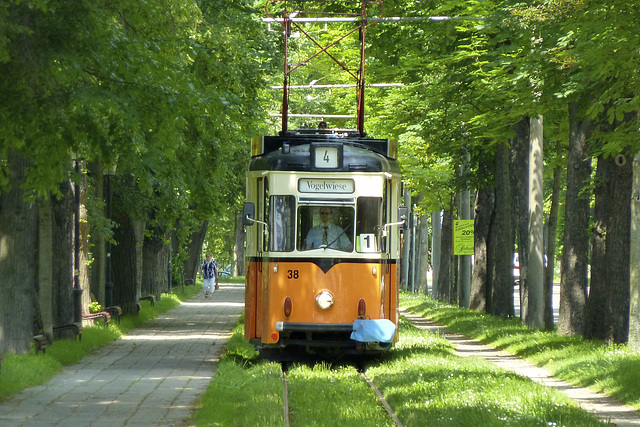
<point x="611" y="369"/>
<point x="28" y="370"/>
<point x="420" y="377"/>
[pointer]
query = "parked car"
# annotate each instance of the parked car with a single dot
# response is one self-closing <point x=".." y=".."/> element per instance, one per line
<point x="225" y="272"/>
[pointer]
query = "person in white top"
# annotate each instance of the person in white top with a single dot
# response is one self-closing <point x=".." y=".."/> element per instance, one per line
<point x="327" y="234"/>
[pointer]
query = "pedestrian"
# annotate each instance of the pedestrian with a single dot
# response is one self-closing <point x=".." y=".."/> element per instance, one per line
<point x="209" y="273"/>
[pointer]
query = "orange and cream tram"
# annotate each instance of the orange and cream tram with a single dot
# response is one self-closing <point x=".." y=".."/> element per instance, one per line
<point x="323" y="222"/>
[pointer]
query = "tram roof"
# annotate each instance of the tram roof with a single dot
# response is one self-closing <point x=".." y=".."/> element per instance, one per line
<point x="294" y="152"/>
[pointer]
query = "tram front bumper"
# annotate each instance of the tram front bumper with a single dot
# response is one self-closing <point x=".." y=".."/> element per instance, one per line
<point x="361" y="330"/>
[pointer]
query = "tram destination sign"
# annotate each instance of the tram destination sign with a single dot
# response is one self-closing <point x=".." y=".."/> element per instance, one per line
<point x="340" y="186"/>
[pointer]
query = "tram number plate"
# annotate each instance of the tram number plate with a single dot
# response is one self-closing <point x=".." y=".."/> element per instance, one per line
<point x="367" y="243"/>
<point x="326" y="157"/>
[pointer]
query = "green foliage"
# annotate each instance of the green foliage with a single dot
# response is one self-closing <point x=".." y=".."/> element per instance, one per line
<point x="95" y="307"/>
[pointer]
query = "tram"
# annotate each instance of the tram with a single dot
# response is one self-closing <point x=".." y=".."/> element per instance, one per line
<point x="322" y="293"/>
<point x="323" y="220"/>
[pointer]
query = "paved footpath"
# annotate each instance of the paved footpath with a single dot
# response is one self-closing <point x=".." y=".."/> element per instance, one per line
<point x="150" y="377"/>
<point x="601" y="405"/>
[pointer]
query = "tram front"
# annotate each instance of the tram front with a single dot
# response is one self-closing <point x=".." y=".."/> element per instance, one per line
<point x="322" y="244"/>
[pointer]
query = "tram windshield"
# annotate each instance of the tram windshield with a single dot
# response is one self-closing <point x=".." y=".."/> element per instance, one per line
<point x="325" y="227"/>
<point x="334" y="227"/>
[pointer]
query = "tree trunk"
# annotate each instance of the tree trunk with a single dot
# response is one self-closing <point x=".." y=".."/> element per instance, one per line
<point x="535" y="263"/>
<point x="155" y="263"/>
<point x="520" y="145"/>
<point x="550" y="250"/>
<point x="45" y="266"/>
<point x="18" y="273"/>
<point x="501" y="241"/>
<point x="194" y="251"/>
<point x="608" y="303"/>
<point x="423" y="259"/>
<point x="127" y="263"/>
<point x="444" y="276"/>
<point x="481" y="279"/>
<point x="98" y="241"/>
<point x="63" y="211"/>
<point x="436" y="230"/>
<point x="84" y="245"/>
<point x="575" y="256"/>
<point x="634" y="259"/>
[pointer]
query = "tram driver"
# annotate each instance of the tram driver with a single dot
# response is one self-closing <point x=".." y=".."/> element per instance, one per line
<point x="327" y="234"/>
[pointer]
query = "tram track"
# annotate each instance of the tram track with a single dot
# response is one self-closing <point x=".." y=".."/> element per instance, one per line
<point x="380" y="398"/>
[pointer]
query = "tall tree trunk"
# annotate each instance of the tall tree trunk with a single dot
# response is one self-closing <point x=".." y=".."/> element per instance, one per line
<point x="423" y="259"/>
<point x="127" y="263"/>
<point x="550" y="250"/>
<point x="45" y="266"/>
<point x="501" y="242"/>
<point x="634" y="259"/>
<point x="608" y="302"/>
<point x="18" y="273"/>
<point x="482" y="278"/>
<point x="444" y="276"/>
<point x="84" y="245"/>
<point x="63" y="211"/>
<point x="194" y="251"/>
<point x="155" y="263"/>
<point x="535" y="264"/>
<point x="436" y="230"/>
<point x="520" y="192"/>
<point x="575" y="256"/>
<point x="98" y="241"/>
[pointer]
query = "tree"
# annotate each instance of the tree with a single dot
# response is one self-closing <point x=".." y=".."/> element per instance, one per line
<point x="573" y="290"/>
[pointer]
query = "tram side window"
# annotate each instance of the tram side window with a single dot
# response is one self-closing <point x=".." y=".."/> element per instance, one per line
<point x="282" y="223"/>
<point x="369" y="224"/>
<point x="325" y="227"/>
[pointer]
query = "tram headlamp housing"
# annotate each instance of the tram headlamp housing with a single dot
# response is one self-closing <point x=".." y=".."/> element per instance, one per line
<point x="324" y="300"/>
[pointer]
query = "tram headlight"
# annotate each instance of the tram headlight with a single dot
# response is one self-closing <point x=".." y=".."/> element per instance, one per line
<point x="324" y="300"/>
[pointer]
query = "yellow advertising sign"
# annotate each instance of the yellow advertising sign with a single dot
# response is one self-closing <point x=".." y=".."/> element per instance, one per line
<point x="463" y="237"/>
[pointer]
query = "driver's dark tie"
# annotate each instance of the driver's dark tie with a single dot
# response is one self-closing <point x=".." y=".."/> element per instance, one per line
<point x="324" y="236"/>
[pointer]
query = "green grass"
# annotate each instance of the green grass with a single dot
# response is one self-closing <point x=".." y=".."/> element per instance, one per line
<point x="427" y="385"/>
<point x="323" y="395"/>
<point x="420" y="377"/>
<point x="28" y="370"/>
<point x="611" y="369"/>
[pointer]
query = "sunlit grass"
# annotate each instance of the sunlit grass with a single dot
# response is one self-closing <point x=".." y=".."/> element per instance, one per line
<point x="428" y="386"/>
<point x="245" y="391"/>
<point x="322" y="395"/>
<point x="611" y="369"/>
<point x="28" y="370"/>
<point x="420" y="377"/>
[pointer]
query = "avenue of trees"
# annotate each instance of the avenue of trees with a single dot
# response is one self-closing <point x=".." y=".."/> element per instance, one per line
<point x="165" y="92"/>
<point x="169" y="92"/>
<point x="476" y="89"/>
